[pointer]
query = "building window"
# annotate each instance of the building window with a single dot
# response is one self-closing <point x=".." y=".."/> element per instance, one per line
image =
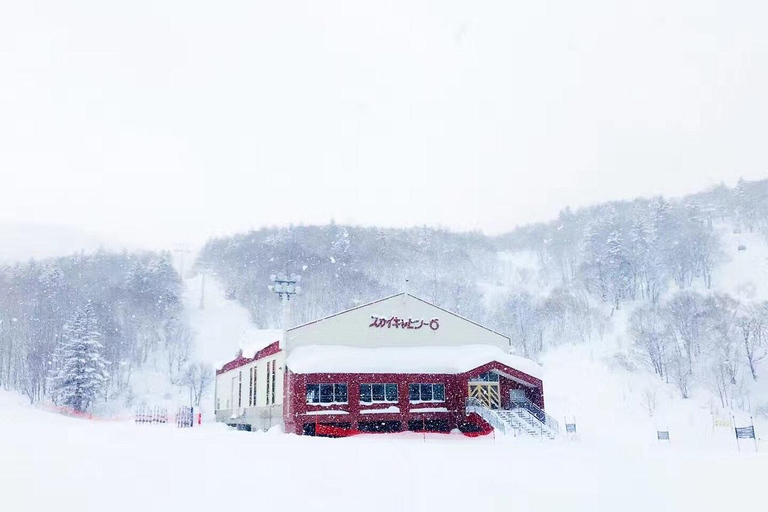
<point x="379" y="426"/>
<point x="250" y="387"/>
<point x="370" y="393"/>
<point x="240" y="389"/>
<point x="426" y="392"/>
<point x="274" y="372"/>
<point x="326" y="393"/>
<point x="255" y="383"/>
<point x="266" y="397"/>
<point x="429" y="425"/>
<point x="486" y="377"/>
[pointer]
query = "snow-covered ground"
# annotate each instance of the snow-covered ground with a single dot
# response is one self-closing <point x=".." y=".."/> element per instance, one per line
<point x="51" y="462"/>
<point x="590" y="385"/>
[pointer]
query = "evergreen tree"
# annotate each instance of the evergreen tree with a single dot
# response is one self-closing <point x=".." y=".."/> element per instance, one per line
<point x="81" y="371"/>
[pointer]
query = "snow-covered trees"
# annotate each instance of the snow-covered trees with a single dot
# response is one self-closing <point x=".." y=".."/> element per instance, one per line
<point x="520" y="316"/>
<point x="710" y="340"/>
<point x="135" y="299"/>
<point x="348" y="265"/>
<point x="80" y="371"/>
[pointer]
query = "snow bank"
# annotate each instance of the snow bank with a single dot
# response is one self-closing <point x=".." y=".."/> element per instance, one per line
<point x="68" y="465"/>
<point x="388" y="410"/>
<point x="446" y="360"/>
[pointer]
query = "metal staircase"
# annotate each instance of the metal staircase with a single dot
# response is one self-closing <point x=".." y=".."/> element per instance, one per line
<point x="524" y="418"/>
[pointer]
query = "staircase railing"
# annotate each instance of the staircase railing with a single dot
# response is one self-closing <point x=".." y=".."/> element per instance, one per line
<point x="537" y="412"/>
<point x="489" y="415"/>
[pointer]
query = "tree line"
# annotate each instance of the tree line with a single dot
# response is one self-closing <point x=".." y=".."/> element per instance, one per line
<point x="645" y="254"/>
<point x="76" y="329"/>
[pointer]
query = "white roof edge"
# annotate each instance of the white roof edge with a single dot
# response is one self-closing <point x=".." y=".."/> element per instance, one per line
<point x="402" y="360"/>
<point x="345" y="311"/>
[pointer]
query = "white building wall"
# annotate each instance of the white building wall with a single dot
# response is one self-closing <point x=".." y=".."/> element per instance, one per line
<point x="353" y="328"/>
<point x="226" y="395"/>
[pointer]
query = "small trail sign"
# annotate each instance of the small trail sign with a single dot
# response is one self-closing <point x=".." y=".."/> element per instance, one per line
<point x="662" y="435"/>
<point x="745" y="432"/>
<point x="570" y="428"/>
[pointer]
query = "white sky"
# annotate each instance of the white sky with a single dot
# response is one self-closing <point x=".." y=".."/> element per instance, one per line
<point x="158" y="121"/>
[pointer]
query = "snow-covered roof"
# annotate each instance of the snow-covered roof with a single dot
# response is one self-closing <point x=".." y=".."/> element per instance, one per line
<point x="250" y="344"/>
<point x="258" y="339"/>
<point x="445" y="360"/>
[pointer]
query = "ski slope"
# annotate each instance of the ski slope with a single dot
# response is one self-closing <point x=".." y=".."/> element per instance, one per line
<point x="221" y="326"/>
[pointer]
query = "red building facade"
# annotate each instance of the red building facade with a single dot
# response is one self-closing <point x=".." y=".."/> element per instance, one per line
<point x="360" y="412"/>
<point x="393" y="365"/>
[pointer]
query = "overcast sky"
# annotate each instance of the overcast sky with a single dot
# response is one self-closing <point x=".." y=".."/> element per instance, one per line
<point x="159" y="121"/>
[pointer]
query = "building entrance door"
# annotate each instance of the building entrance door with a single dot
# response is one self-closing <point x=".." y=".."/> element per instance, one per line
<point x="487" y="393"/>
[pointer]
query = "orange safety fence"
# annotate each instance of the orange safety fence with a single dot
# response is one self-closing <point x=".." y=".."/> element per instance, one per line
<point x="71" y="412"/>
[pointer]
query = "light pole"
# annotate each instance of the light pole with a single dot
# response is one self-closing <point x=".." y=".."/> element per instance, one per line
<point x="285" y="287"/>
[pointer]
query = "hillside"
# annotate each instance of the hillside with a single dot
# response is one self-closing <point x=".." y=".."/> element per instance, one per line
<point x="670" y="294"/>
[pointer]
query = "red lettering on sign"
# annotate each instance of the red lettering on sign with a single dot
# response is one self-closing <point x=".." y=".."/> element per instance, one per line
<point x="401" y="323"/>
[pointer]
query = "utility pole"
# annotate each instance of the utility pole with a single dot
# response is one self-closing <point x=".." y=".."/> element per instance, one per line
<point x="181" y="250"/>
<point x="204" y="269"/>
<point x="202" y="290"/>
<point x="285" y="287"/>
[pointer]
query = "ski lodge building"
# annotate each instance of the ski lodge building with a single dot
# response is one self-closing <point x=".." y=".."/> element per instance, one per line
<point x="396" y="364"/>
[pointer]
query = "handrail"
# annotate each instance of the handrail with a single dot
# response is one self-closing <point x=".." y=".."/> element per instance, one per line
<point x="488" y="414"/>
<point x="537" y="412"/>
<point x="523" y="418"/>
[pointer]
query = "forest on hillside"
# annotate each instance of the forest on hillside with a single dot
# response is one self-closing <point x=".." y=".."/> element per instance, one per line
<point x="656" y="256"/>
<point x="101" y="315"/>
<point x="649" y="261"/>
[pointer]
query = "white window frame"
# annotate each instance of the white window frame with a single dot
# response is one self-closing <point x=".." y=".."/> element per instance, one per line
<point x="420" y="401"/>
<point x="319" y="394"/>
<point x="385" y="401"/>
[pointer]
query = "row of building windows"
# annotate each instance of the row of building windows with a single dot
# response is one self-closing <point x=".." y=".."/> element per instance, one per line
<point x="326" y="393"/>
<point x="433" y="425"/>
<point x="237" y="400"/>
<point x="370" y="393"/>
<point x="426" y="392"/>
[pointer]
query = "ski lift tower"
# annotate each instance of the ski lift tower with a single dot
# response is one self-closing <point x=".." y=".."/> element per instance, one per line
<point x="285" y="287"/>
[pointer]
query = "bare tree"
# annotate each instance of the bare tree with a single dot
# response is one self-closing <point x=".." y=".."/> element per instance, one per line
<point x="753" y="326"/>
<point x="651" y="337"/>
<point x="521" y="316"/>
<point x="198" y="379"/>
<point x="649" y="400"/>
<point x="179" y="340"/>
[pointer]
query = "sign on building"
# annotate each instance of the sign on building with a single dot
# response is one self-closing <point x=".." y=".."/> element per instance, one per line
<point x="402" y="323"/>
